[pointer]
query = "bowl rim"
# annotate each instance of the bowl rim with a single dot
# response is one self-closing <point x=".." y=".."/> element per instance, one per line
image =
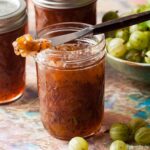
<point x="127" y="62"/>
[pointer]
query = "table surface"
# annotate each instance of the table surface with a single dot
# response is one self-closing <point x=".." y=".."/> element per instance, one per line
<point x="20" y="125"/>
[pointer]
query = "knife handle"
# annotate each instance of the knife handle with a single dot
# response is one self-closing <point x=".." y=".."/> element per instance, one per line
<point x="121" y="22"/>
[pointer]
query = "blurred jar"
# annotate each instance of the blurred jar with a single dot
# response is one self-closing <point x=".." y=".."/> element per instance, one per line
<point x="50" y="12"/>
<point x="13" y="21"/>
<point x="71" y="83"/>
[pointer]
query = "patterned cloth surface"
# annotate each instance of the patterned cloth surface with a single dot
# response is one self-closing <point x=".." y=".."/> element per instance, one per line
<point x="20" y="124"/>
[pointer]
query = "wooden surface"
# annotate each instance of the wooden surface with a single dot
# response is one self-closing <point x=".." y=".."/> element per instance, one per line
<point x="20" y="125"/>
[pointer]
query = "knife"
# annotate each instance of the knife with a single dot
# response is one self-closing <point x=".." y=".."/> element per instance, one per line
<point x="102" y="28"/>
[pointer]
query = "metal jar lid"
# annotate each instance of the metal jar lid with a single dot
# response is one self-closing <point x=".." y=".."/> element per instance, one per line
<point x="12" y="15"/>
<point x="62" y="4"/>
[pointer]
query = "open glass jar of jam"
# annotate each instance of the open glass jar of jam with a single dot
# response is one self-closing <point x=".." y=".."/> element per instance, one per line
<point x="71" y="83"/>
<point x="13" y="19"/>
<point x="56" y="11"/>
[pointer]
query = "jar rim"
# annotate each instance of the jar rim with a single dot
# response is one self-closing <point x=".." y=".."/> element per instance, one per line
<point x="97" y="42"/>
<point x="63" y="4"/>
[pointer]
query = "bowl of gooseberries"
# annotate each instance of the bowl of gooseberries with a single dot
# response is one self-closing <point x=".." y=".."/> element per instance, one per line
<point x="128" y="49"/>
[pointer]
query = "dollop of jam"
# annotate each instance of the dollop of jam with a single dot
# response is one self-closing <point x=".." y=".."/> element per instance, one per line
<point x="27" y="45"/>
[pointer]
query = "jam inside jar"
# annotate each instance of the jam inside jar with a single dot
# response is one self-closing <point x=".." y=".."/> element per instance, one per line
<point x="71" y="83"/>
<point x="12" y="68"/>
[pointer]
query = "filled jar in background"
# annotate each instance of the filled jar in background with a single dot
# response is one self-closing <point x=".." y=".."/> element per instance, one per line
<point x="50" y="12"/>
<point x="71" y="83"/>
<point x="13" y="19"/>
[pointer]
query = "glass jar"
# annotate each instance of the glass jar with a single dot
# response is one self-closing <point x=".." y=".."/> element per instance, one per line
<point x="51" y="12"/>
<point x="12" y="68"/>
<point x="71" y="83"/>
<point x="27" y="3"/>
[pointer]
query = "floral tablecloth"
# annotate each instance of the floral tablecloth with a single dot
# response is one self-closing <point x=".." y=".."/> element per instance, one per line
<point x="20" y="125"/>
